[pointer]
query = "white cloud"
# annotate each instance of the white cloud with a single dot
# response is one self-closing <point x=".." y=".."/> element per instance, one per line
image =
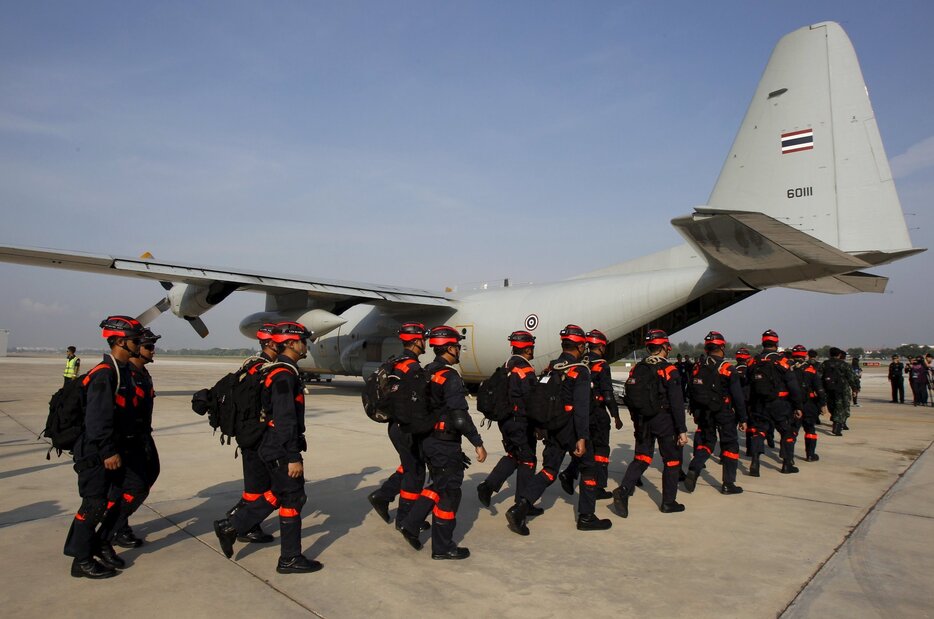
<point x="917" y="157"/>
<point x="42" y="309"/>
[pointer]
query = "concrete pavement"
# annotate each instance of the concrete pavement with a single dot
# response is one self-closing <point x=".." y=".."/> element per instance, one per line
<point x="844" y="537"/>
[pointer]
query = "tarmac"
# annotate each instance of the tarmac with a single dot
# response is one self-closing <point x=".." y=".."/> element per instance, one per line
<point x="846" y="537"/>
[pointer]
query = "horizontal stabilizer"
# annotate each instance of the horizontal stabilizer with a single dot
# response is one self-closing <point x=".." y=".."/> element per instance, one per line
<point x="844" y="284"/>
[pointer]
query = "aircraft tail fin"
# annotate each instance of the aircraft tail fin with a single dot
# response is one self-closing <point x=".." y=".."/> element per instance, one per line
<point x="808" y="153"/>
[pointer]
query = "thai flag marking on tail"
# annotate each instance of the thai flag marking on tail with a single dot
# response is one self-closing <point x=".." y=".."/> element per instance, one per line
<point x="797" y="141"/>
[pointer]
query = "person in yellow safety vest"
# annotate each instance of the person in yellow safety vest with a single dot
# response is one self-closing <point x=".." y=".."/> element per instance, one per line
<point x="72" y="365"/>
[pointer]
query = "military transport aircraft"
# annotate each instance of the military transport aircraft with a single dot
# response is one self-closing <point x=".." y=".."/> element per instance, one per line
<point x="805" y="200"/>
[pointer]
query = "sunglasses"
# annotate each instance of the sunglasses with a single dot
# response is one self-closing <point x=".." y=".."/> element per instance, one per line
<point x="149" y="346"/>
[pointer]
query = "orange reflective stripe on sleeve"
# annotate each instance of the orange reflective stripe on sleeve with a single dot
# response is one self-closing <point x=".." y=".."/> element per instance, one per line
<point x="269" y="377"/>
<point x="573" y="373"/>
<point x="783" y="394"/>
<point x="725" y="369"/>
<point x="438" y="377"/>
<point x="548" y="474"/>
<point x="522" y="372"/>
<point x="288" y="512"/>
<point x="79" y="516"/>
<point x="644" y="458"/>
<point x="705" y="448"/>
<point x="400" y="470"/>
<point x="128" y="497"/>
<point x="568" y="408"/>
<point x="673" y="463"/>
<point x="300" y="398"/>
<point x="589" y="482"/>
<point x="601" y="459"/>
<point x="405" y="365"/>
<point x="441" y="514"/>
<point x="271" y="498"/>
<point x="408" y="496"/>
<point x="597" y="367"/>
<point x="431" y="494"/>
<point x="250" y="496"/>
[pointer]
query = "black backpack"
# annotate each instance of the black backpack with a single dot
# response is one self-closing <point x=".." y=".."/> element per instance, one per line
<point x="408" y="397"/>
<point x="544" y="406"/>
<point x="765" y="381"/>
<point x="832" y="377"/>
<point x="706" y="387"/>
<point x="493" y="396"/>
<point x="65" y="422"/>
<point x="645" y="395"/>
<point x="376" y="393"/>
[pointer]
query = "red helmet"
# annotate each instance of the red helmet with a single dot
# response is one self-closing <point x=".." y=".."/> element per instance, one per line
<point x="411" y="331"/>
<point x="799" y="350"/>
<point x="264" y="333"/>
<point x="656" y="337"/>
<point x="596" y="337"/>
<point x="286" y="331"/>
<point x="770" y="336"/>
<point x="573" y="333"/>
<point x="521" y="339"/>
<point x="743" y="354"/>
<point x="715" y="338"/>
<point x="443" y="336"/>
<point x="121" y="326"/>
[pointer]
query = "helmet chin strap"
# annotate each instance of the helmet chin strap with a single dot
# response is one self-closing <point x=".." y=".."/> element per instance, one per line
<point x="132" y="353"/>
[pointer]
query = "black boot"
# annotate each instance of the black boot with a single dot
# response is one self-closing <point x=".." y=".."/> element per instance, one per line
<point x="671" y="508"/>
<point x="567" y="483"/>
<point x="690" y="481"/>
<point x="621" y="501"/>
<point x="589" y="522"/>
<point x="484" y="493"/>
<point x="516" y="516"/>
<point x="837" y="431"/>
<point x="844" y="426"/>
<point x="297" y="565"/>
<point x="126" y="539"/>
<point x="788" y="467"/>
<point x="811" y="457"/>
<point x="233" y="510"/>
<point x="456" y="554"/>
<point x="226" y="535"/>
<point x="256" y="535"/>
<point x="535" y="511"/>
<point x="90" y="568"/>
<point x="602" y="494"/>
<point x="109" y="557"/>
<point x="730" y="488"/>
<point x="411" y="538"/>
<point x="380" y="506"/>
<point x="754" y="466"/>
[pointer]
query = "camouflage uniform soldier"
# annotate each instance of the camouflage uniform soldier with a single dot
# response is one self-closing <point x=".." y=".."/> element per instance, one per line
<point x="839" y="381"/>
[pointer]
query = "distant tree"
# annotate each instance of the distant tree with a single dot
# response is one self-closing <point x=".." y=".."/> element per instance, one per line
<point x="856" y="352"/>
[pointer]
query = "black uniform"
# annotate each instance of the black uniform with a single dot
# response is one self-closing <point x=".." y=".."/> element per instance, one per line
<point x="897" y="380"/>
<point x="107" y="422"/>
<point x="603" y="405"/>
<point x="776" y="410"/>
<point x="663" y="427"/>
<point x="723" y="420"/>
<point x="446" y="461"/>
<point x="282" y="443"/>
<point x="575" y="397"/>
<point x="814" y="399"/>
<point x="409" y="479"/>
<point x="257" y="486"/>
<point x="518" y="434"/>
<point x="140" y="459"/>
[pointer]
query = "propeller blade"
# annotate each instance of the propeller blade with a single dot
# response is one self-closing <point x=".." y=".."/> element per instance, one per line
<point x="198" y="325"/>
<point x="154" y="312"/>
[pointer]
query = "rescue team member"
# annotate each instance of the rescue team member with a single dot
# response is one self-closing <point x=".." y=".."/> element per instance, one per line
<point x="257" y="485"/>
<point x="573" y="437"/>
<point x="409" y="478"/>
<point x="815" y="400"/>
<point x="447" y="398"/>
<point x="602" y="401"/>
<point x="518" y="432"/>
<point x="72" y="365"/>
<point x="721" y="417"/>
<point x="280" y="450"/>
<point x="741" y="369"/>
<point x="776" y="401"/>
<point x="142" y="465"/>
<point x="98" y="462"/>
<point x="665" y="425"/>
<point x="814" y="363"/>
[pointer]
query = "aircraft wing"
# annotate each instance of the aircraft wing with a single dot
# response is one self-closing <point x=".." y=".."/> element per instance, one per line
<point x="222" y="280"/>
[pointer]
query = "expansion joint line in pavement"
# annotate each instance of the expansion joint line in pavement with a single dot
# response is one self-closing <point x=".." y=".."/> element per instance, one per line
<point x="847" y="537"/>
<point x="253" y="574"/>
<point x="18" y="422"/>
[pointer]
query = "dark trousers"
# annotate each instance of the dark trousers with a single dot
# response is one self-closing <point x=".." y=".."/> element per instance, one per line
<point x="808" y="422"/>
<point x="286" y="493"/>
<point x="94" y="488"/>
<point x="127" y="496"/>
<point x="898" y="391"/>
<point x="256" y="481"/>
<point x="442" y="496"/>
<point x="409" y="479"/>
<point x="559" y="443"/>
<point x="777" y="414"/>
<point x="660" y="428"/>
<point x="519" y="443"/>
<point x="920" y="393"/>
<point x="600" y="438"/>
<point x="711" y="424"/>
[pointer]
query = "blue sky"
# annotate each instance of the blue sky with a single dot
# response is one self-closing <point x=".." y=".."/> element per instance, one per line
<point x="417" y="143"/>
